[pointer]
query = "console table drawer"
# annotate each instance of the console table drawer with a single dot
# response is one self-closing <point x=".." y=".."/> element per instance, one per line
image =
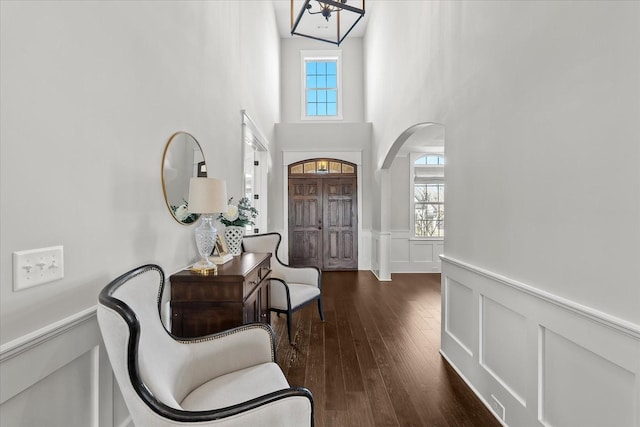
<point x="238" y="294"/>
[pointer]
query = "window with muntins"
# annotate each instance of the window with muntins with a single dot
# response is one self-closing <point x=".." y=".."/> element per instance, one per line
<point x="427" y="181"/>
<point x="322" y="88"/>
<point x="430" y="159"/>
<point x="429" y="209"/>
<point x="321" y="97"/>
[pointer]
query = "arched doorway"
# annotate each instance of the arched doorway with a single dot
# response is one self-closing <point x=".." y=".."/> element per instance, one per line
<point x="394" y="251"/>
<point x="323" y="214"/>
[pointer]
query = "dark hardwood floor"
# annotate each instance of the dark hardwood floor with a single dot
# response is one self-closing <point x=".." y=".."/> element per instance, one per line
<point x="375" y="361"/>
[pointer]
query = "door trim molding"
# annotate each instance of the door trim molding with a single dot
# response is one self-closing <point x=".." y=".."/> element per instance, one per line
<point x="289" y="157"/>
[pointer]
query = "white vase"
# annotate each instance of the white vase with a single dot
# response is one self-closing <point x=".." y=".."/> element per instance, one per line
<point x="233" y="235"/>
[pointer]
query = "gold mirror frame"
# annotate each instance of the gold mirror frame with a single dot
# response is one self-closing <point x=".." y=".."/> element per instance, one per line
<point x="182" y="159"/>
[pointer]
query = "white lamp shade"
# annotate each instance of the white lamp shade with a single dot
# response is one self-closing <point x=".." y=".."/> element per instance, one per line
<point x="207" y="195"/>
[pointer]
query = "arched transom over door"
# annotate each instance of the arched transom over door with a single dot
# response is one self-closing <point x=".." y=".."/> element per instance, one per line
<point x="323" y="214"/>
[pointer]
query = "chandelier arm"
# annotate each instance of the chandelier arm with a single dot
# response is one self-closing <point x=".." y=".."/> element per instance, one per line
<point x="297" y="21"/>
<point x="344" y="6"/>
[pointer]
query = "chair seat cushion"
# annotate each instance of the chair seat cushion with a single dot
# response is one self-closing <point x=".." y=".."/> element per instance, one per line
<point x="299" y="294"/>
<point x="236" y="387"/>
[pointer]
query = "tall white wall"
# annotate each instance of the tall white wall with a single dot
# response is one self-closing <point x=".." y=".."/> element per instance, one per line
<point x="541" y="123"/>
<point x="91" y="92"/>
<point x="352" y="77"/>
<point x="540" y="102"/>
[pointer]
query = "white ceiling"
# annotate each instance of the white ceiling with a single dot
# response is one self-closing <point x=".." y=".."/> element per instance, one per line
<point x="282" y="9"/>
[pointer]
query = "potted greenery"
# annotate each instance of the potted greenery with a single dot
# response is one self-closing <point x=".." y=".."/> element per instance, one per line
<point x="236" y="219"/>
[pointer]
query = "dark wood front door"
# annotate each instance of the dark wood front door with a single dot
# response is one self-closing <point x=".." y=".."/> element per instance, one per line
<point x="305" y="222"/>
<point x="339" y="231"/>
<point x="323" y="217"/>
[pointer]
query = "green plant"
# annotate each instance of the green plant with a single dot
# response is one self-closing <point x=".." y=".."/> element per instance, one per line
<point x="239" y="215"/>
<point x="182" y="213"/>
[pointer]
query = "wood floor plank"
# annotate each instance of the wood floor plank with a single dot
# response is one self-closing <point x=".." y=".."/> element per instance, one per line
<point x="350" y="366"/>
<point x="375" y="361"/>
<point x="315" y="373"/>
<point x="334" y="379"/>
<point x="300" y="350"/>
<point x="381" y="407"/>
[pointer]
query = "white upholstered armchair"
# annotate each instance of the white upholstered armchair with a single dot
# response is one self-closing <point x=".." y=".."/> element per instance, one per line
<point x="291" y="287"/>
<point x="226" y="379"/>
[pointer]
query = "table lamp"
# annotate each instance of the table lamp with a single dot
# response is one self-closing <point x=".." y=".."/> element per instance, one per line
<point x="207" y="196"/>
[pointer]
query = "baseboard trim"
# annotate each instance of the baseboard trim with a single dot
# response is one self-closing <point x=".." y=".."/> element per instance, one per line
<point x="605" y="319"/>
<point x="473" y="389"/>
<point x="378" y="277"/>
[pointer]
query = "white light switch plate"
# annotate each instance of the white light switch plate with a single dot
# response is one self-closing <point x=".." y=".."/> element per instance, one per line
<point x="37" y="266"/>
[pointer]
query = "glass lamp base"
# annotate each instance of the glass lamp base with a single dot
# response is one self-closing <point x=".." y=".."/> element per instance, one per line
<point x="205" y="240"/>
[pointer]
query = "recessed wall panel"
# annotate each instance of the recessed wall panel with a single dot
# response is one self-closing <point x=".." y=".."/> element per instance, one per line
<point x="399" y="250"/>
<point x="422" y="252"/>
<point x="503" y="351"/>
<point x="581" y="388"/>
<point x="51" y="396"/>
<point x="460" y="321"/>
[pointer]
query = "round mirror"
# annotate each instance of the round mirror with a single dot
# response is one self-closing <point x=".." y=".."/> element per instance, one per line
<point x="182" y="160"/>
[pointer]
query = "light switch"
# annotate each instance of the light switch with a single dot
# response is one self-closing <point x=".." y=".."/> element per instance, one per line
<point x="37" y="266"/>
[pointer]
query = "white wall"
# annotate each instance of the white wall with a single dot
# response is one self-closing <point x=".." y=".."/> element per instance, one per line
<point x="400" y="196"/>
<point x="352" y="73"/>
<point x="540" y="102"/>
<point x="91" y="92"/>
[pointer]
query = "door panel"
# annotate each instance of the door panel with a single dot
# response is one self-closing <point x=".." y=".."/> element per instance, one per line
<point x="340" y="221"/>
<point x="305" y="213"/>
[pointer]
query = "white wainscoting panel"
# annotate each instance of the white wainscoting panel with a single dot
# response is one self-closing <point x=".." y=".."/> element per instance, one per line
<point x="503" y="346"/>
<point x="400" y="251"/>
<point x="460" y="320"/>
<point x="72" y="382"/>
<point x="411" y="255"/>
<point x="60" y="376"/>
<point x="550" y="362"/>
<point x="582" y="388"/>
<point x="364" y="250"/>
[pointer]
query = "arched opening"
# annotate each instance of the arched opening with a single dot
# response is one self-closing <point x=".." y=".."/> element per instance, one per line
<point x="411" y="236"/>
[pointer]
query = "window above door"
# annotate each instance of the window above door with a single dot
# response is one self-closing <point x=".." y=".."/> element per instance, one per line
<point x="321" y="94"/>
<point x="330" y="167"/>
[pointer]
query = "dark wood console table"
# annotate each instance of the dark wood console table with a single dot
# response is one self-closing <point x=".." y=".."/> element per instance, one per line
<point x="238" y="294"/>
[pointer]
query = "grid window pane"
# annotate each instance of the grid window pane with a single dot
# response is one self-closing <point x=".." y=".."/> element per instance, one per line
<point x="311" y="67"/>
<point x="311" y="82"/>
<point x="420" y="193"/>
<point x="311" y="109"/>
<point x="321" y="88"/>
<point x="429" y="210"/>
<point x="429" y="159"/>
